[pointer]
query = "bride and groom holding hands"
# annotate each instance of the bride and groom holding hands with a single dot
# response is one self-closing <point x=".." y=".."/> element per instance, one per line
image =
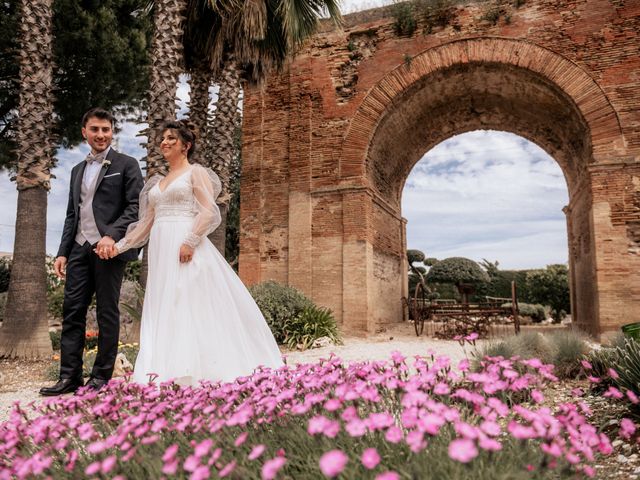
<point x="199" y="322"/>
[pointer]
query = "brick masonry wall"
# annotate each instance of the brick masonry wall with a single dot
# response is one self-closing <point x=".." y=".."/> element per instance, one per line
<point x="329" y="142"/>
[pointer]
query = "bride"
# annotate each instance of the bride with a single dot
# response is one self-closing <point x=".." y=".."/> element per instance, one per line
<point x="199" y="321"/>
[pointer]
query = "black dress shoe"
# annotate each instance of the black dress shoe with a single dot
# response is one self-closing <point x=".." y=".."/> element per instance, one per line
<point x="95" y="384"/>
<point x="64" y="385"/>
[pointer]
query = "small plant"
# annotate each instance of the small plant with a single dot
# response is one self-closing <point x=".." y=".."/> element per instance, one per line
<point x="624" y="359"/>
<point x="5" y="273"/>
<point x="132" y="271"/>
<point x="492" y="14"/>
<point x="3" y="304"/>
<point x="312" y="324"/>
<point x="351" y="46"/>
<point x="569" y="348"/>
<point x="279" y="304"/>
<point x="407" y="60"/>
<point x="55" y="336"/>
<point x="405" y="21"/>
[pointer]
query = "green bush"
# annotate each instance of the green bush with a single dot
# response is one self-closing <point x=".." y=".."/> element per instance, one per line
<point x="624" y="358"/>
<point x="311" y="324"/>
<point x="536" y="312"/>
<point x="55" y="299"/>
<point x="3" y="304"/>
<point x="55" y="336"/>
<point x="132" y="271"/>
<point x="279" y="304"/>
<point x="404" y="19"/>
<point x="563" y="349"/>
<point x="5" y="273"/>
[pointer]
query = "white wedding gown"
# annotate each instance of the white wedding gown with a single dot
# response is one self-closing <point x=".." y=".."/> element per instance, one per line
<point x="199" y="322"/>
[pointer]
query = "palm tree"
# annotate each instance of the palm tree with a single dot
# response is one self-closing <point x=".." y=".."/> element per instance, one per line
<point x="24" y="332"/>
<point x="167" y="62"/>
<point x="245" y="40"/>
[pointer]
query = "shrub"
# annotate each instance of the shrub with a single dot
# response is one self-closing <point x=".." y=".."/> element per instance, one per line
<point x="55" y="299"/>
<point x="5" y="273"/>
<point x="55" y="336"/>
<point x="404" y="19"/>
<point x="536" y="312"/>
<point x="551" y="287"/>
<point x="132" y="271"/>
<point x="279" y="304"/>
<point x="3" y="304"/>
<point x="624" y="358"/>
<point x="564" y="350"/>
<point x="311" y="324"/>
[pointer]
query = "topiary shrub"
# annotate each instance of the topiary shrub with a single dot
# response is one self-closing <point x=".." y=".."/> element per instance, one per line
<point x="536" y="312"/>
<point x="313" y="323"/>
<point x="279" y="304"/>
<point x="464" y="273"/>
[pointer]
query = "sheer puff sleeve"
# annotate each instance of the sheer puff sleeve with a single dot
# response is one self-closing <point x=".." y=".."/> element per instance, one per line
<point x="138" y="232"/>
<point x="206" y="188"/>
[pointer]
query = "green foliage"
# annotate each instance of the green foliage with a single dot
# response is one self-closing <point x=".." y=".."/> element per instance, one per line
<point x="536" y="312"/>
<point x="457" y="270"/>
<point x="134" y="311"/>
<point x="624" y="358"/>
<point x="311" y="324"/>
<point x="232" y="234"/>
<point x="434" y="13"/>
<point x="132" y="271"/>
<point x="3" y="304"/>
<point x="551" y="287"/>
<point x="55" y="336"/>
<point x="404" y="18"/>
<point x="492" y="14"/>
<point x="9" y="88"/>
<point x="55" y="300"/>
<point x="280" y="304"/>
<point x="5" y="273"/>
<point x="414" y="256"/>
<point x="101" y="55"/>
<point x="564" y="349"/>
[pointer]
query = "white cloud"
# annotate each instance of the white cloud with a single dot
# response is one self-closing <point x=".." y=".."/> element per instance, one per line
<point x="488" y="194"/>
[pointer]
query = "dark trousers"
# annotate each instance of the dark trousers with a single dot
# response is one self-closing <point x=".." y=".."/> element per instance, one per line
<point x="88" y="274"/>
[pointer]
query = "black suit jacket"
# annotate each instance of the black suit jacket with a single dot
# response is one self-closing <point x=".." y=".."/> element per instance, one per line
<point x="115" y="202"/>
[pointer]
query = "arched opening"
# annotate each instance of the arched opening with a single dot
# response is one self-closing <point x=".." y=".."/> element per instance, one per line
<point x="488" y="195"/>
<point x="461" y="98"/>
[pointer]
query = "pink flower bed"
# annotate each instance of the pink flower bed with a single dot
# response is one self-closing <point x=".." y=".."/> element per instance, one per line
<point x="379" y="420"/>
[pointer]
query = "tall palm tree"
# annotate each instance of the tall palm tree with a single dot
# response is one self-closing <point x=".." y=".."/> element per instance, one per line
<point x="167" y="63"/>
<point x="245" y="40"/>
<point x="24" y="332"/>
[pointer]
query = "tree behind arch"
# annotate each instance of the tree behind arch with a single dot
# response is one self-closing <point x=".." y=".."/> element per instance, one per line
<point x="462" y="272"/>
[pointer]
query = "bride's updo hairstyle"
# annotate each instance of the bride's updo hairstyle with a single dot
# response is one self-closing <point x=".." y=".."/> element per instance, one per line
<point x="186" y="132"/>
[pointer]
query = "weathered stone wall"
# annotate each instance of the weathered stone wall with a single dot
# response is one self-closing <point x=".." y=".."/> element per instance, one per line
<point x="329" y="143"/>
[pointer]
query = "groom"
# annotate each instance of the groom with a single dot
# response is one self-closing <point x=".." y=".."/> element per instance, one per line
<point x="103" y="201"/>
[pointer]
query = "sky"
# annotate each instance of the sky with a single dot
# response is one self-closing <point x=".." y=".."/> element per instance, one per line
<point x="482" y="195"/>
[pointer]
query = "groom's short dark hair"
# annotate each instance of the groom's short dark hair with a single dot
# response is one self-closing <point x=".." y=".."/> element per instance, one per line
<point x="97" y="112"/>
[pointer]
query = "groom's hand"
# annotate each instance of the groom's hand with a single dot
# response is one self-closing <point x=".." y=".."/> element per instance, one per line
<point x="186" y="253"/>
<point x="60" y="267"/>
<point x="104" y="247"/>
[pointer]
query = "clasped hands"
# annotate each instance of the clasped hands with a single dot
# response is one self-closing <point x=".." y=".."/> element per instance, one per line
<point x="106" y="249"/>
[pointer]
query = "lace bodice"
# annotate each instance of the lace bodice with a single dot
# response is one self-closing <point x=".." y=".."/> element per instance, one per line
<point x="190" y="194"/>
<point x="176" y="199"/>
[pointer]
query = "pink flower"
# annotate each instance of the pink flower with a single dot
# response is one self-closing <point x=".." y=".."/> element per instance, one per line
<point x="586" y="365"/>
<point x="170" y="452"/>
<point x="108" y="464"/>
<point x="627" y="428"/>
<point x="203" y="448"/>
<point x="333" y="462"/>
<point x="228" y="468"/>
<point x="393" y="435"/>
<point x="191" y="463"/>
<point x="537" y="396"/>
<point x="370" y="458"/>
<point x="388" y="476"/>
<point x="577" y="392"/>
<point x="472" y="337"/>
<point x="92" y="468"/>
<point x="613" y="373"/>
<point x="256" y="452"/>
<point x="241" y="439"/>
<point x="463" y="450"/>
<point x="201" y="473"/>
<point x="633" y="398"/>
<point x="490" y="444"/>
<point x="613" y="392"/>
<point x="170" y="468"/>
<point x="271" y="467"/>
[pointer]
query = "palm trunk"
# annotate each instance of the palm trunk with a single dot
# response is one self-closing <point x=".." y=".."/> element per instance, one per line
<point x="198" y="109"/>
<point x="24" y="332"/>
<point x="166" y="66"/>
<point x="221" y="133"/>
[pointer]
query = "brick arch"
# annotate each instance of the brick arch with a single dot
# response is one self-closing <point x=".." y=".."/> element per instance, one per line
<point x="603" y="124"/>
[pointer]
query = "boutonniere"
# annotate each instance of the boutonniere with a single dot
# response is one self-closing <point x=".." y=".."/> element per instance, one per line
<point x="106" y="163"/>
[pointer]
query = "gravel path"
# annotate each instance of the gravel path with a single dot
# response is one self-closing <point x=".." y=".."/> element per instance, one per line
<point x="21" y="380"/>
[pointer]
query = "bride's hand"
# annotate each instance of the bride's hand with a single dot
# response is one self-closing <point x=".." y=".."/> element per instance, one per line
<point x="186" y="253"/>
